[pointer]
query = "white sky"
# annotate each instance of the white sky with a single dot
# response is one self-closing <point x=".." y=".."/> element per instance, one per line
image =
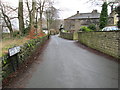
<point x="68" y="7"/>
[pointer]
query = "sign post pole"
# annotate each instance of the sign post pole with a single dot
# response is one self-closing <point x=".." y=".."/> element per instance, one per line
<point x="13" y="55"/>
<point x="12" y="63"/>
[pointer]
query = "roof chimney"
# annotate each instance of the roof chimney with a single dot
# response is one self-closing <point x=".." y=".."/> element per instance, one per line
<point x="77" y="12"/>
<point x="94" y="11"/>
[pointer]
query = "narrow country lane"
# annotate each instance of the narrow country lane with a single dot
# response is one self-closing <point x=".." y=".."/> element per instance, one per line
<point x="65" y="65"/>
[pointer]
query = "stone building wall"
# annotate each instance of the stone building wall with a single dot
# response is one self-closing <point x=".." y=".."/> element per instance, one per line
<point x="70" y="24"/>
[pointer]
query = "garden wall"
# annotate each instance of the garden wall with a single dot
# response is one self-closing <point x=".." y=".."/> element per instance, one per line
<point x="106" y="42"/>
<point x="66" y="35"/>
<point x="26" y="50"/>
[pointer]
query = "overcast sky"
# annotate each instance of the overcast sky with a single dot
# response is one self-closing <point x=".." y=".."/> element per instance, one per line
<point x="68" y="7"/>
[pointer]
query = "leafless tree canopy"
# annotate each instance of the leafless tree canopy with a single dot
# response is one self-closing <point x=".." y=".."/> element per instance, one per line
<point x="8" y="13"/>
<point x="99" y="2"/>
<point x="29" y="12"/>
<point x="111" y="3"/>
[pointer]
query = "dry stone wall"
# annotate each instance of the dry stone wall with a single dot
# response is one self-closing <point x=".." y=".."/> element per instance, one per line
<point x="106" y="42"/>
<point x="66" y="35"/>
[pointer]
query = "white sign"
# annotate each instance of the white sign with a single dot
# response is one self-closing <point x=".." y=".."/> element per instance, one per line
<point x="13" y="51"/>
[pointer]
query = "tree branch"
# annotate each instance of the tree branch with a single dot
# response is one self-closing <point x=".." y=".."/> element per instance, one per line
<point x="13" y="18"/>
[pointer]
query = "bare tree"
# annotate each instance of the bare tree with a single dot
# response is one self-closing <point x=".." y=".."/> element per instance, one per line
<point x="6" y="17"/>
<point x="51" y="16"/>
<point x="36" y="17"/>
<point x="98" y="1"/>
<point x="41" y="6"/>
<point x="31" y="12"/>
<point x="0" y="22"/>
<point x="20" y="17"/>
<point x="36" y="11"/>
<point x="111" y="3"/>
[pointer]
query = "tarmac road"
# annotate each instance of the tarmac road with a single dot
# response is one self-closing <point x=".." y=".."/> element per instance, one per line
<point x="65" y="65"/>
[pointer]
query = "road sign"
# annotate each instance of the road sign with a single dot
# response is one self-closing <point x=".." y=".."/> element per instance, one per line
<point x="13" y="51"/>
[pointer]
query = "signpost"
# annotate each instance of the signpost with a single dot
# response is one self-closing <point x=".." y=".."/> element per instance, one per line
<point x="13" y="51"/>
<point x="13" y="54"/>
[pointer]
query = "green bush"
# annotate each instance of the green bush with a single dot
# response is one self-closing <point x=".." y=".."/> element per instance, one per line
<point x="103" y="16"/>
<point x="118" y="24"/>
<point x="27" y="49"/>
<point x="118" y="11"/>
<point x="92" y="27"/>
<point x="16" y="33"/>
<point x="26" y="30"/>
<point x="65" y="31"/>
<point x="85" y="29"/>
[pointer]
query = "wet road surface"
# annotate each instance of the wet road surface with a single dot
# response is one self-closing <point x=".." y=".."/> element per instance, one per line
<point x="65" y="65"/>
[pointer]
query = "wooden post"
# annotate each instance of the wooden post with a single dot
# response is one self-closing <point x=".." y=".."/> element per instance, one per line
<point x="13" y="56"/>
<point x="17" y="60"/>
<point x="12" y="63"/>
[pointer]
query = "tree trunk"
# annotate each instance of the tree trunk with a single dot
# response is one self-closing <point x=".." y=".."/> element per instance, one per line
<point x="41" y="7"/>
<point x="8" y="22"/>
<point x="40" y="23"/>
<point x="33" y="14"/>
<point x="20" y="17"/>
<point x="39" y="29"/>
<point x="36" y="19"/>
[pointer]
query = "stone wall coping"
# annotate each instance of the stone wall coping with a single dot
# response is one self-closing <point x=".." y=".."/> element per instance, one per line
<point x="100" y="31"/>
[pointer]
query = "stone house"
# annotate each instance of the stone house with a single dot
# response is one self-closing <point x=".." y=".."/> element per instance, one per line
<point x="81" y="19"/>
<point x="74" y="22"/>
<point x="113" y="18"/>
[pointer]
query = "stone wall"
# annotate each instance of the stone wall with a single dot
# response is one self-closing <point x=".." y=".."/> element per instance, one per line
<point x="106" y="42"/>
<point x="26" y="51"/>
<point x="66" y="35"/>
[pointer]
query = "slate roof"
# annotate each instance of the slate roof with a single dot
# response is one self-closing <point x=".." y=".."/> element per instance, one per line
<point x="85" y="15"/>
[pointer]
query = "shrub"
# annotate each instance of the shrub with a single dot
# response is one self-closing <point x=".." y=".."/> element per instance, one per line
<point x="26" y="30"/>
<point x="84" y="28"/>
<point x="65" y="31"/>
<point x="35" y="26"/>
<point x="103" y="16"/>
<point x="118" y="11"/>
<point x="92" y="27"/>
<point x="118" y="24"/>
<point x="33" y="35"/>
<point x="16" y="33"/>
